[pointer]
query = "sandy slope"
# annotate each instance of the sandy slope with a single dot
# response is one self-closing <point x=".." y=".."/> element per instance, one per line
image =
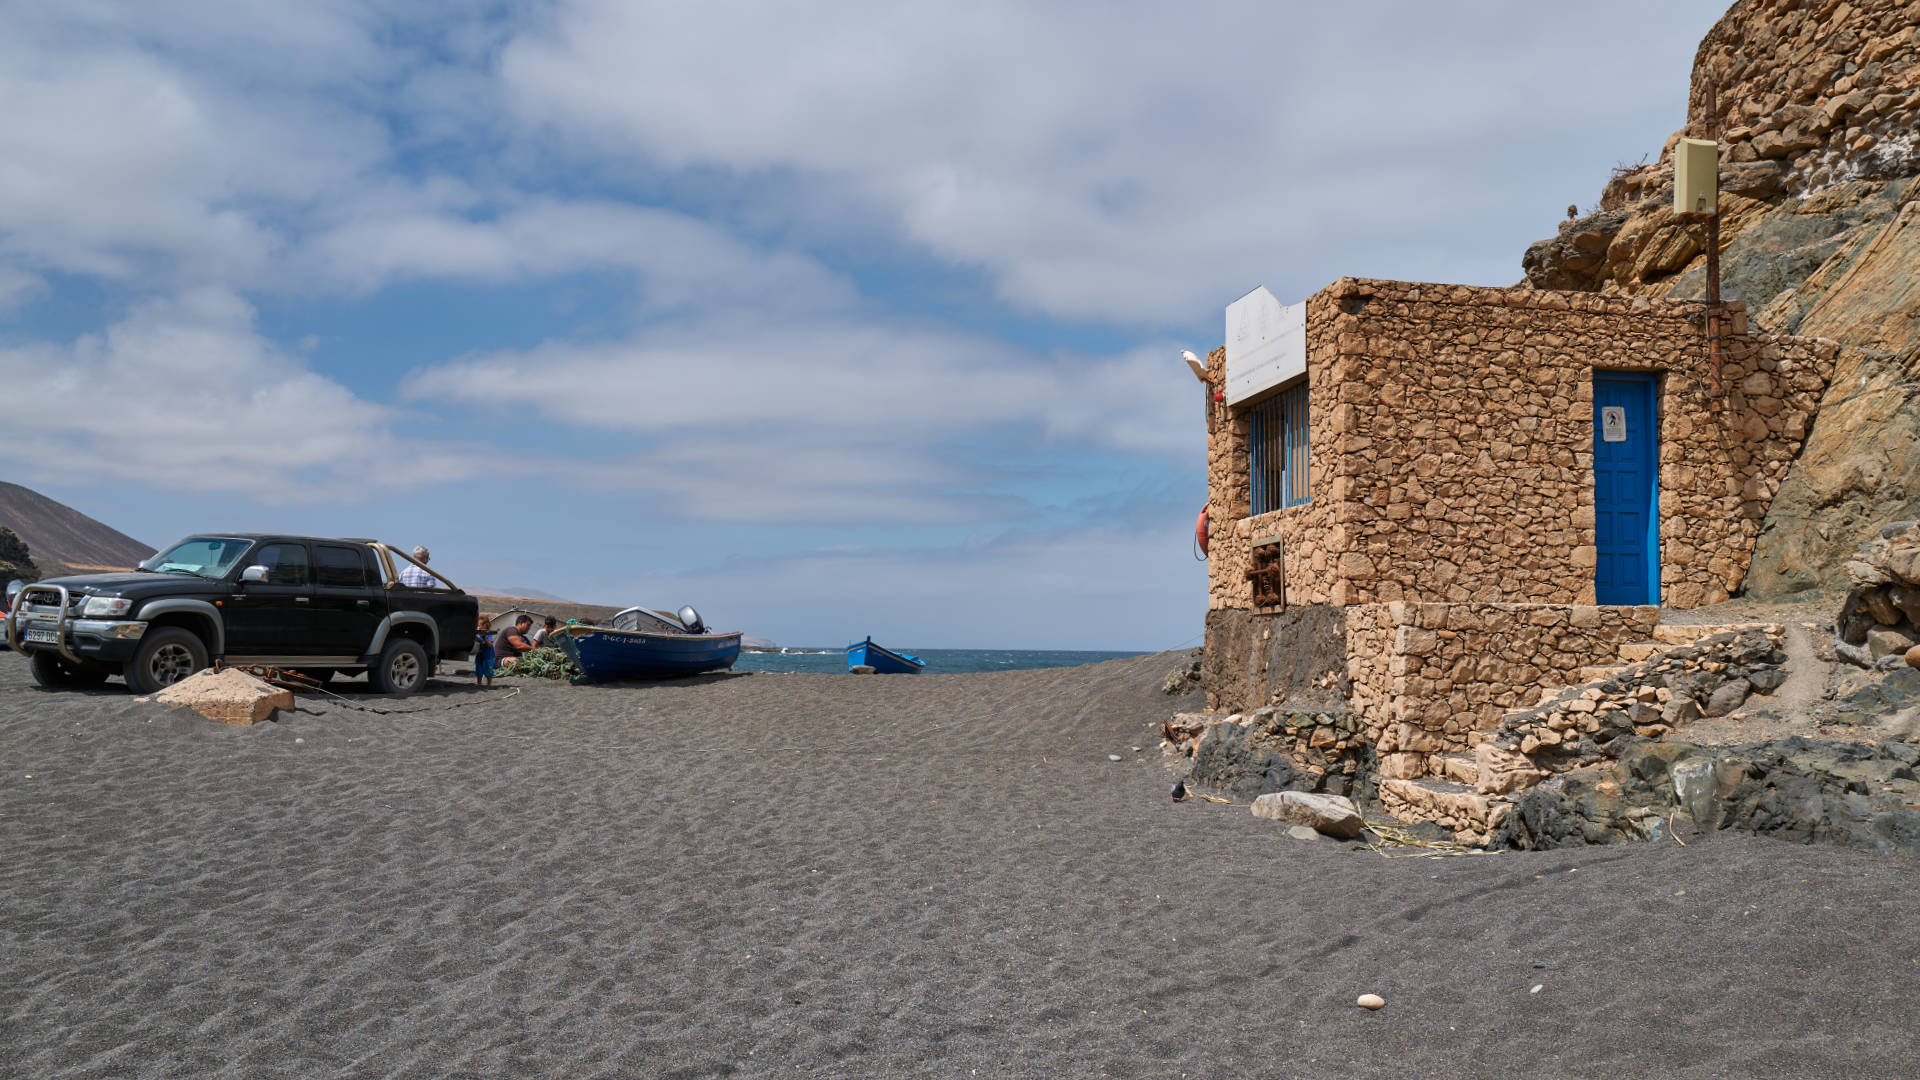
<point x="835" y="876"/>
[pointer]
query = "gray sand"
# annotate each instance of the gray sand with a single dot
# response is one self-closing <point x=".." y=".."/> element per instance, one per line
<point x="835" y="876"/>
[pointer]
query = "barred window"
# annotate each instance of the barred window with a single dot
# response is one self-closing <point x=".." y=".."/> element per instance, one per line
<point x="1279" y="450"/>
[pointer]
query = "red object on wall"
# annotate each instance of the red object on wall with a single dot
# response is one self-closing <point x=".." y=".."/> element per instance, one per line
<point x="1200" y="531"/>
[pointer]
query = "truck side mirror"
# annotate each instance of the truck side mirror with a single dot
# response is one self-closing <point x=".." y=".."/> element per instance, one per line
<point x="254" y="573"/>
<point x="13" y="590"/>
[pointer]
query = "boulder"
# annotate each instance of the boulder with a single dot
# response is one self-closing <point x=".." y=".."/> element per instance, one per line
<point x="231" y="696"/>
<point x="1880" y="605"/>
<point x="1728" y="697"/>
<point x="1681" y="710"/>
<point x="1334" y="815"/>
<point x="1913" y="656"/>
<point x="1890" y="640"/>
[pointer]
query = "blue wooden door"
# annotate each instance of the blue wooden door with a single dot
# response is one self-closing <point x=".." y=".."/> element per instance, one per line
<point x="1626" y="488"/>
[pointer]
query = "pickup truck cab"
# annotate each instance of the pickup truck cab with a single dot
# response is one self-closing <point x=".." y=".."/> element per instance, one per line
<point x="320" y="606"/>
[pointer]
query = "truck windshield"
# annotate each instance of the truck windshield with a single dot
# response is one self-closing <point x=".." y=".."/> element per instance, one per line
<point x="202" y="556"/>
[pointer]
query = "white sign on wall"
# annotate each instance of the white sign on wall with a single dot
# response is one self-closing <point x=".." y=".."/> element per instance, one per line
<point x="1266" y="344"/>
<point x="1613" y="423"/>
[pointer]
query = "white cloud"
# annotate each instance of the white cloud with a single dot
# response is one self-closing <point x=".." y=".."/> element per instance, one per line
<point x="183" y="395"/>
<point x="1132" y="162"/>
<point x="681" y="262"/>
<point x="738" y="417"/>
<point x="1090" y="588"/>
<point x="123" y="166"/>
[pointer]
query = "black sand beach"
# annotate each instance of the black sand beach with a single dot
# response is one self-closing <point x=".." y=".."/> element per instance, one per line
<point x="834" y="876"/>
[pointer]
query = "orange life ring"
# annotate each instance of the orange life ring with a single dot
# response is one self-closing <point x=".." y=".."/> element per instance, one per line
<point x="1200" y="531"/>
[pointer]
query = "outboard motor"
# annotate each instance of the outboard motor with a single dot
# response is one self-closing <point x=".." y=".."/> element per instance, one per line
<point x="690" y="619"/>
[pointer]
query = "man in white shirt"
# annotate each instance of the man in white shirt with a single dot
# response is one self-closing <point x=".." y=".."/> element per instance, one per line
<point x="413" y="577"/>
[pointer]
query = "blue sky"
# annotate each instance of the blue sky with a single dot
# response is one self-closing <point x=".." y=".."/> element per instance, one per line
<point x="831" y="320"/>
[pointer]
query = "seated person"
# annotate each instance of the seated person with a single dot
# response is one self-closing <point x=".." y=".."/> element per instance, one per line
<point x="511" y="644"/>
<point x="541" y="635"/>
<point x="413" y="577"/>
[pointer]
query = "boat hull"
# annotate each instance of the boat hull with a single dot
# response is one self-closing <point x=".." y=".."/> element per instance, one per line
<point x="883" y="661"/>
<point x="607" y="655"/>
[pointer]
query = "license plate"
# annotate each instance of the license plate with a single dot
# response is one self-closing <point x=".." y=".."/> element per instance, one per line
<point x="44" y="637"/>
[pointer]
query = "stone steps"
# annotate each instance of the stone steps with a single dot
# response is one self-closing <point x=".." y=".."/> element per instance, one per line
<point x="1635" y="651"/>
<point x="1471" y="816"/>
<point x="1459" y="768"/>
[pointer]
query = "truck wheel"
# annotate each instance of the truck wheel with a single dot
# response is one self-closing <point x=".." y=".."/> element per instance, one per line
<point x="402" y="668"/>
<point x="56" y="672"/>
<point x="164" y="657"/>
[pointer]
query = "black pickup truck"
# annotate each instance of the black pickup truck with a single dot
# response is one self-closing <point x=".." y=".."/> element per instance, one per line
<point x="316" y="605"/>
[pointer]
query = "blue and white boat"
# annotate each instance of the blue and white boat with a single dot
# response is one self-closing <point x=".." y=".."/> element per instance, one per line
<point x="642" y="644"/>
<point x="882" y="661"/>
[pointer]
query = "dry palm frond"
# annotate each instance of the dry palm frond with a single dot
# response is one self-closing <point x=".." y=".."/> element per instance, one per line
<point x="1394" y="838"/>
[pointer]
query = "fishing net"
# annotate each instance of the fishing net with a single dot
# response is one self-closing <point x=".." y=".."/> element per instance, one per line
<point x="545" y="662"/>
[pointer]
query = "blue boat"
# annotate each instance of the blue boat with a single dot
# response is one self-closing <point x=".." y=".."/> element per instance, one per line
<point x="882" y="661"/>
<point x="642" y="644"/>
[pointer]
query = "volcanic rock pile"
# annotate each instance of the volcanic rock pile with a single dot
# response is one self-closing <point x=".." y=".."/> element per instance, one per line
<point x="1268" y="749"/>
<point x="1879" y="625"/>
<point x="14" y="560"/>
<point x="1657" y="696"/>
<point x="1796" y="789"/>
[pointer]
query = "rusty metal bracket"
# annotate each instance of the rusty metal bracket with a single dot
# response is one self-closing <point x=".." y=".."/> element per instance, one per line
<point x="1268" y="573"/>
<point x="285" y="678"/>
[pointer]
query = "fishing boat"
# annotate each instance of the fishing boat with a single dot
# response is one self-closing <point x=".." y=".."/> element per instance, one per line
<point x="882" y="661"/>
<point x="642" y="644"/>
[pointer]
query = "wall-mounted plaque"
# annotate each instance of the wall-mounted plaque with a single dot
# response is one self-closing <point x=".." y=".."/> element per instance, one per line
<point x="1613" y="423"/>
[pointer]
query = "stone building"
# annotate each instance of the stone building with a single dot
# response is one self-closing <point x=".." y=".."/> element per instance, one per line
<point x="1428" y="502"/>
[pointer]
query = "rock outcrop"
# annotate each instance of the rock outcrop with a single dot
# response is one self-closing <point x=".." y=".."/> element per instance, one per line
<point x="1880" y="622"/>
<point x="1802" y="790"/>
<point x="15" y="561"/>
<point x="1273" y="748"/>
<point x="1818" y="113"/>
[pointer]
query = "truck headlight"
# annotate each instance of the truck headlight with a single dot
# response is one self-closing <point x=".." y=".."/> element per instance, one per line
<point x="106" y="605"/>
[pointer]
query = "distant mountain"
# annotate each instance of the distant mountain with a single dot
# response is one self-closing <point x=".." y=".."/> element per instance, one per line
<point x="520" y="592"/>
<point x="58" y="535"/>
<point x="491" y="604"/>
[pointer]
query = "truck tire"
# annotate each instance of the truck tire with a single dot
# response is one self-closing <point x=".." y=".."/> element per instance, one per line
<point x="402" y="668"/>
<point x="164" y="657"/>
<point x="56" y="672"/>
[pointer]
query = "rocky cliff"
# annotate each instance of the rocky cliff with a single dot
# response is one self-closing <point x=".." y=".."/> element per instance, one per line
<point x="1817" y="109"/>
<point x="14" y="559"/>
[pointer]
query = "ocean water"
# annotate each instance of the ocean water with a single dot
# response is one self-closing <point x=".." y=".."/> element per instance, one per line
<point x="939" y="661"/>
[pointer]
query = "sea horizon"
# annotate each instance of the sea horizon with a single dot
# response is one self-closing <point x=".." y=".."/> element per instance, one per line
<point x="798" y="660"/>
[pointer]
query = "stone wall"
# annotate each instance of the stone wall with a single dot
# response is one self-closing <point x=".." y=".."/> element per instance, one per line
<point x="1451" y="432"/>
<point x="1430" y="679"/>
<point x="1306" y="530"/>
